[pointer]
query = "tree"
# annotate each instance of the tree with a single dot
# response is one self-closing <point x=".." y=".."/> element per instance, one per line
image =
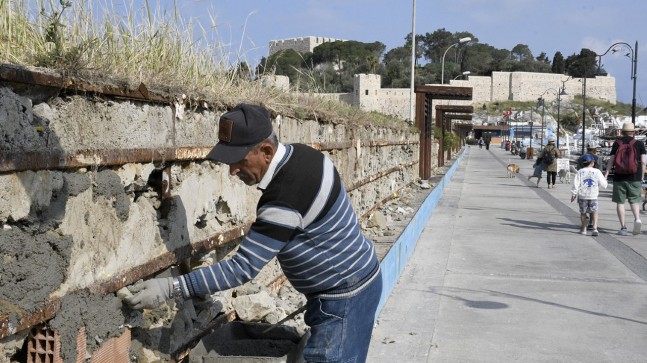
<point x="347" y="52"/>
<point x="521" y="52"/>
<point x="542" y="58"/>
<point x="559" y="65"/>
<point x="397" y="65"/>
<point x="287" y="62"/>
<point x="433" y="45"/>
<point x="582" y="65"/>
<point x="437" y="44"/>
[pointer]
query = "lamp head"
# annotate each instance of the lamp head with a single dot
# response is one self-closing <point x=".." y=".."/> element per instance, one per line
<point x="464" y="40"/>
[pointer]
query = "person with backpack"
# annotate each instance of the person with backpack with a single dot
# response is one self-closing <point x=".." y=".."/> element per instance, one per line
<point x="549" y="157"/>
<point x="627" y="158"/>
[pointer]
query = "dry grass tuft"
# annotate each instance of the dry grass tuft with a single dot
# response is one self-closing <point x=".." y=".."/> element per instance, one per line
<point x="99" y="40"/>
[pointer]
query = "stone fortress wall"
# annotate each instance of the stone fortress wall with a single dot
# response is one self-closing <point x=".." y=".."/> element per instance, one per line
<point x="501" y="86"/>
<point x="301" y="45"/>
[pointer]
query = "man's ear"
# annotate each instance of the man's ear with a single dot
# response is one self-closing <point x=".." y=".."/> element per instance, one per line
<point x="268" y="151"/>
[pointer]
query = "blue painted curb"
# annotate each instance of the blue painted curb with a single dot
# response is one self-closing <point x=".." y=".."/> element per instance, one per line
<point x="396" y="259"/>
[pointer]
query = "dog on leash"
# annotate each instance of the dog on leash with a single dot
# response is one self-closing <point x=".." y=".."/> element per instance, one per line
<point x="513" y="170"/>
<point x="564" y="176"/>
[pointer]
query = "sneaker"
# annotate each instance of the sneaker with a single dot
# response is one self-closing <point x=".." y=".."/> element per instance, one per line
<point x="595" y="233"/>
<point x="623" y="231"/>
<point x="583" y="232"/>
<point x="637" y="225"/>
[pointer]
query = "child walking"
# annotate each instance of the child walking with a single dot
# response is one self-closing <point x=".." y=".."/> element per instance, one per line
<point x="586" y="187"/>
<point x="537" y="170"/>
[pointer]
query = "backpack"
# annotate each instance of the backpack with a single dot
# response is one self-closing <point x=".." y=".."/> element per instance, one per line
<point x="548" y="157"/>
<point x="625" y="159"/>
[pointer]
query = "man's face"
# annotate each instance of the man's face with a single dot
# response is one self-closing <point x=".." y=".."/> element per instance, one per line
<point x="253" y="166"/>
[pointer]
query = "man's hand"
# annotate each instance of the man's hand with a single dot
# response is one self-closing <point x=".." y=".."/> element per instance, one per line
<point x="151" y="293"/>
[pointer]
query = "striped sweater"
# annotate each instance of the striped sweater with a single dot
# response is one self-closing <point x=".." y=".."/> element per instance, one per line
<point x="304" y="218"/>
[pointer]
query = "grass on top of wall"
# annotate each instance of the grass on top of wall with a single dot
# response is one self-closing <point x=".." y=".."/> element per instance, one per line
<point x="104" y="39"/>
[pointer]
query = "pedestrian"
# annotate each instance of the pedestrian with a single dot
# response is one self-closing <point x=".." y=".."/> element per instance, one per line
<point x="590" y="150"/>
<point x="480" y="143"/>
<point x="487" y="139"/>
<point x="538" y="170"/>
<point x="304" y="218"/>
<point x="586" y="187"/>
<point x="549" y="157"/>
<point x="627" y="185"/>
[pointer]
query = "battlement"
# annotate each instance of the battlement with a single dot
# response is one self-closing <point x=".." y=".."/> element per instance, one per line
<point x="301" y="45"/>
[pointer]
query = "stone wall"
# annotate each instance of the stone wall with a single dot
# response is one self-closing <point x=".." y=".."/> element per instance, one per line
<point x="301" y="45"/>
<point x="501" y="86"/>
<point x="100" y="208"/>
<point x="370" y="96"/>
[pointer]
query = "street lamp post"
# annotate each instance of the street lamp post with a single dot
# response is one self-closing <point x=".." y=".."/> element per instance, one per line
<point x="531" y="136"/>
<point x="633" y="52"/>
<point x="562" y="92"/>
<point x="413" y="62"/>
<point x="442" y="72"/>
<point x="462" y="74"/>
<point x="530" y="146"/>
<point x="583" y="111"/>
<point x="540" y="101"/>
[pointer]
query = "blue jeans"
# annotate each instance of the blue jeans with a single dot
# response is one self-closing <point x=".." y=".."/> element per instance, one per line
<point x="340" y="330"/>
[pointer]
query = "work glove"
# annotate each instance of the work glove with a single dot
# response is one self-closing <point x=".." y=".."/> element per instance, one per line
<point x="151" y="293"/>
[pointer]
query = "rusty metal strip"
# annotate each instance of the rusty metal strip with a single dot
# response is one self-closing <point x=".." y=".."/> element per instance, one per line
<point x="381" y="174"/>
<point x="44" y="313"/>
<point x="50" y="308"/>
<point x="349" y="144"/>
<point x="45" y="160"/>
<point x="169" y="258"/>
<point x="41" y="160"/>
<point x="52" y="79"/>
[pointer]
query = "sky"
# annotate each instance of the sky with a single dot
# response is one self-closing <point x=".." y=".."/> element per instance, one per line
<point x="247" y="26"/>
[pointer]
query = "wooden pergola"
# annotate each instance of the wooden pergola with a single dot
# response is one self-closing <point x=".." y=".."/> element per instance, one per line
<point x="425" y="95"/>
<point x="462" y="128"/>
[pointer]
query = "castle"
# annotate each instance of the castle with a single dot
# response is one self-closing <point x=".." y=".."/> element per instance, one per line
<point x="369" y="95"/>
<point x="301" y="45"/>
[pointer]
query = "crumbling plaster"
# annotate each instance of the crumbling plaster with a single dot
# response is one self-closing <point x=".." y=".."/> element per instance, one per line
<point x="104" y="220"/>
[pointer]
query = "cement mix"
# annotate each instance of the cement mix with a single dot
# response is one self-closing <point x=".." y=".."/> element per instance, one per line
<point x="32" y="267"/>
<point x="102" y="316"/>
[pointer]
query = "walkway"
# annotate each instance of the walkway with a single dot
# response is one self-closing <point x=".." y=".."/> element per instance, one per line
<point x="501" y="274"/>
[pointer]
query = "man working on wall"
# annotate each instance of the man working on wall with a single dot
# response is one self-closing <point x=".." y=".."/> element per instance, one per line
<point x="304" y="218"/>
<point x="627" y="186"/>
